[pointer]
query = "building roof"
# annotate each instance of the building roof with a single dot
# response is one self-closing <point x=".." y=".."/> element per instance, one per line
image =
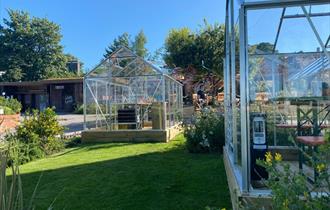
<point x="44" y="82"/>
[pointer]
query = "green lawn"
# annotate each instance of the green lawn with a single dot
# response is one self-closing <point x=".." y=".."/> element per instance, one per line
<point x="128" y="176"/>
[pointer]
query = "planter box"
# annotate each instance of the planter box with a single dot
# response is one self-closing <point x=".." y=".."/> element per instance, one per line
<point x="136" y="136"/>
<point x="9" y="122"/>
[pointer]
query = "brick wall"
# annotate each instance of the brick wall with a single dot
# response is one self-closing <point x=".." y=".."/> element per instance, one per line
<point x="8" y="122"/>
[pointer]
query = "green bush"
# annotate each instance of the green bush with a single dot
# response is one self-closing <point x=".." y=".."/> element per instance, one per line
<point x="91" y="108"/>
<point x="27" y="150"/>
<point x="72" y="142"/>
<point x="12" y="105"/>
<point x="7" y="110"/>
<point x="38" y="135"/>
<point x="291" y="189"/>
<point x="79" y="109"/>
<point x="11" y="192"/>
<point x="206" y="133"/>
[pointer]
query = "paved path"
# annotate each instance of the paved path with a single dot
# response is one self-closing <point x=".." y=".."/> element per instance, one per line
<point x="73" y="122"/>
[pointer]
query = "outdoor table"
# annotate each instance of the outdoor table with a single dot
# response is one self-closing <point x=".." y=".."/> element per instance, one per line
<point x="310" y="116"/>
<point x="323" y="126"/>
<point x="286" y="126"/>
<point x="308" y="119"/>
<point x="313" y="141"/>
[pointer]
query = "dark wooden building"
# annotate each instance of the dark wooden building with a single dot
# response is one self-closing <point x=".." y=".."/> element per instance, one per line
<point x="63" y="94"/>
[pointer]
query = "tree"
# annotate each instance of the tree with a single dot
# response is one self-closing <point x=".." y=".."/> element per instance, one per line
<point x="30" y="48"/>
<point x="184" y="48"/>
<point x="180" y="48"/>
<point x="139" y="44"/>
<point x="210" y="44"/>
<point x="121" y="40"/>
<point x="262" y="48"/>
<point x="156" y="57"/>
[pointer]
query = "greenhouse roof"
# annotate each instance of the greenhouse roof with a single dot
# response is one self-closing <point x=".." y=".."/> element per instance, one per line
<point x="124" y="63"/>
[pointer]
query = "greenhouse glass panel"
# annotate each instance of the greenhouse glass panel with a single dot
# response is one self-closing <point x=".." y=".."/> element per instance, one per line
<point x="125" y="92"/>
<point x="280" y="54"/>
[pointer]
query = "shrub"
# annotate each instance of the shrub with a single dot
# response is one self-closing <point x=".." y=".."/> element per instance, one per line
<point x="12" y="105"/>
<point x="79" y="109"/>
<point x="45" y="126"/>
<point x="92" y="107"/>
<point x="291" y="189"/>
<point x="7" y="110"/>
<point x="206" y="133"/>
<point x="72" y="142"/>
<point x="11" y="193"/>
<point x="27" y="150"/>
<point x="37" y="135"/>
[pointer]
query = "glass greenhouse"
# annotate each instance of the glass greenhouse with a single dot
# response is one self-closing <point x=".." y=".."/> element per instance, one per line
<point x="280" y="51"/>
<point x="125" y="92"/>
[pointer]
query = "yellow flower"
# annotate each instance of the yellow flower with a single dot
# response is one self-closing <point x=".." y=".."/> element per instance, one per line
<point x="269" y="157"/>
<point x="223" y="209"/>
<point x="320" y="167"/>
<point x="278" y="157"/>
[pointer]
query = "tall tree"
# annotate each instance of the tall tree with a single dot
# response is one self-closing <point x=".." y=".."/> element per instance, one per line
<point x="156" y="56"/>
<point x="121" y="40"/>
<point x="30" y="48"/>
<point x="262" y="48"/>
<point x="184" y="48"/>
<point x="180" y="48"/>
<point x="210" y="42"/>
<point x="139" y="44"/>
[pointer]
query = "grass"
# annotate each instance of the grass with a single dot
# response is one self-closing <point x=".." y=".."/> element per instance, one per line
<point x="128" y="176"/>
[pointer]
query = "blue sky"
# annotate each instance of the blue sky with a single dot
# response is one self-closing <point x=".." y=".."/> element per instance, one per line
<point x="89" y="26"/>
<point x="295" y="35"/>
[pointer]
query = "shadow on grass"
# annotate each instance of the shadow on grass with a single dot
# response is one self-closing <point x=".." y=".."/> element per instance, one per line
<point x="172" y="179"/>
<point x="70" y="150"/>
<point x="90" y="147"/>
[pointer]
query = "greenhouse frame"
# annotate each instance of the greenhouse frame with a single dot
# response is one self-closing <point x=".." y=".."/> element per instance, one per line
<point x="280" y="51"/>
<point x="129" y="99"/>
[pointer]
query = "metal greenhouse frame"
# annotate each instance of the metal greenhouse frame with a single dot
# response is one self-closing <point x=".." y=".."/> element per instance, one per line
<point x="125" y="92"/>
<point x="280" y="50"/>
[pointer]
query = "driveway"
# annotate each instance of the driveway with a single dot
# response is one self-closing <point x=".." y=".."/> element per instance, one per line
<point x="72" y="122"/>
